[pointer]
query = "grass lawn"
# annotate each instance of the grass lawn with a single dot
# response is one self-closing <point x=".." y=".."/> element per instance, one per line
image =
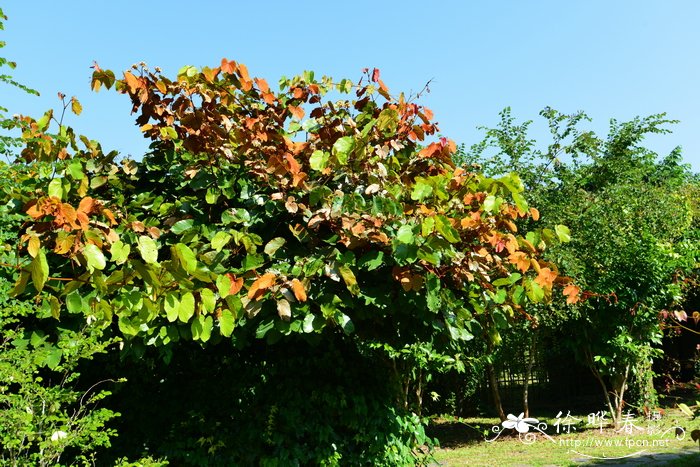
<point x="641" y="442"/>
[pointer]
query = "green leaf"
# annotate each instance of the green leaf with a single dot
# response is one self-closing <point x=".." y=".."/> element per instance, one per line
<point x="53" y="358"/>
<point x="405" y="234"/>
<point x="74" y="302"/>
<point x="40" y="270"/>
<point x="201" y="328"/>
<point x="148" y="249"/>
<point x="388" y="121"/>
<point x="172" y="306"/>
<point x="182" y="226"/>
<point x="186" y="309"/>
<point x="500" y="319"/>
<point x="421" y="190"/>
<point x="510" y="280"/>
<point x="263" y="328"/>
<point x="55" y="307"/>
<point x="686" y="410"/>
<point x="56" y="188"/>
<point x="319" y="160"/>
<point x="220" y="240"/>
<point x="212" y="195"/>
<point x="226" y="323"/>
<point x="520" y="202"/>
<point x="168" y="132"/>
<point x="274" y="245"/>
<point x="308" y="325"/>
<point x="349" y="278"/>
<point x="120" y="252"/>
<point x="75" y="106"/>
<point x="563" y="233"/>
<point x="346" y="323"/>
<point x="20" y="285"/>
<point x="371" y="260"/>
<point x="432" y="297"/>
<point x="253" y="261"/>
<point x="444" y="228"/>
<point x="500" y="296"/>
<point x="187" y="259"/>
<point x="490" y="203"/>
<point x="534" y="291"/>
<point x="75" y="170"/>
<point x="208" y="300"/>
<point x="343" y="147"/>
<point x="223" y="285"/>
<point x="95" y="257"/>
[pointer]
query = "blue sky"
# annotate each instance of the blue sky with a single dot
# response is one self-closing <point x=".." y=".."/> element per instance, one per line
<point x="609" y="58"/>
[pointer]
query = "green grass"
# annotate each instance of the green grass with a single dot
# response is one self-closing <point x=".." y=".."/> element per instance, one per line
<point x="463" y="443"/>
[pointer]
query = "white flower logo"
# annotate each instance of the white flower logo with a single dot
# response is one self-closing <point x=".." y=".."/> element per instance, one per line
<point x="519" y="423"/>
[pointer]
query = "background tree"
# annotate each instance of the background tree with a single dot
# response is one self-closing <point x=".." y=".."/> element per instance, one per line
<point x="631" y="247"/>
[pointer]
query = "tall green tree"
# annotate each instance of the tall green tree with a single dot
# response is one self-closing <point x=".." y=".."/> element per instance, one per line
<point x="631" y="219"/>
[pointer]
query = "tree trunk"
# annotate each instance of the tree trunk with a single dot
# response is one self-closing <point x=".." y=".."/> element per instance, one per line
<point x="528" y="373"/>
<point x="419" y="392"/>
<point x="599" y="378"/>
<point x="493" y="383"/>
<point x="619" y="392"/>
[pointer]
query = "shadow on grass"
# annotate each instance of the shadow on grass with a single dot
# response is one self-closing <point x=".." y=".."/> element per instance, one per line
<point x="686" y="457"/>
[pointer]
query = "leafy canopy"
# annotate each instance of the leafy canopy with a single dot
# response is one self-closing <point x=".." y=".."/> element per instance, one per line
<point x="262" y="214"/>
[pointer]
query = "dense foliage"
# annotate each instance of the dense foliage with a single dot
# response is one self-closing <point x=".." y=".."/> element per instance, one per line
<point x="247" y="222"/>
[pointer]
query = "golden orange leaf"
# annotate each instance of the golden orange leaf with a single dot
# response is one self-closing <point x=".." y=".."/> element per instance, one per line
<point x="86" y="205"/>
<point x="262" y="85"/>
<point x="545" y="277"/>
<point x="132" y="81"/>
<point x="243" y="72"/>
<point x="535" y="214"/>
<point x="572" y="293"/>
<point x="520" y="260"/>
<point x="236" y="284"/>
<point x="228" y="67"/>
<point x="259" y="287"/>
<point x="298" y="112"/>
<point x="298" y="289"/>
<point x="269" y="98"/>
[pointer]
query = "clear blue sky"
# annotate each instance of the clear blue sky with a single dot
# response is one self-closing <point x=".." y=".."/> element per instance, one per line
<point x="610" y="58"/>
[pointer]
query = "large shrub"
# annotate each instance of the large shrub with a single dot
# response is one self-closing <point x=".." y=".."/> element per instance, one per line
<point x="274" y="241"/>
